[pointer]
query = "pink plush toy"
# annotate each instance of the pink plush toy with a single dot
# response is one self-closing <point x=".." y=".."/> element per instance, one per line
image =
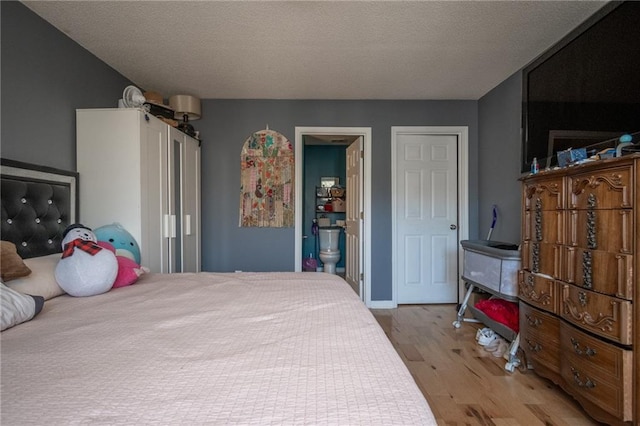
<point x="128" y="270"/>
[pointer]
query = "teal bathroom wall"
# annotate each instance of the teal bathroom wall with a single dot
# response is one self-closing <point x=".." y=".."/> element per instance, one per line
<point x="321" y="161"/>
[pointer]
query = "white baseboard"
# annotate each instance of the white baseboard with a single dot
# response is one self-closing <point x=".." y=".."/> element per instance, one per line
<point x="339" y="270"/>
<point x="382" y="304"/>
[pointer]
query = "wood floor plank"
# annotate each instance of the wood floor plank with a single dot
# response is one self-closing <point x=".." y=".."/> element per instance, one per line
<point x="465" y="384"/>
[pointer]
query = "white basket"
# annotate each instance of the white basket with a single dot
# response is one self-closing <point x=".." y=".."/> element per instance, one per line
<point x="324" y="221"/>
<point x="490" y="265"/>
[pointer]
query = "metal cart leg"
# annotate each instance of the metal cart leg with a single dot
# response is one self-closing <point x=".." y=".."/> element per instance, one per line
<point x="463" y="307"/>
<point x="512" y="361"/>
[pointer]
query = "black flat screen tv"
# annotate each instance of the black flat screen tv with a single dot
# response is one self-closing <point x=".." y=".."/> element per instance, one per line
<point x="585" y="90"/>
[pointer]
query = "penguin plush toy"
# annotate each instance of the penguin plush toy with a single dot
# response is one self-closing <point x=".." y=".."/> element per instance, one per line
<point x="85" y="269"/>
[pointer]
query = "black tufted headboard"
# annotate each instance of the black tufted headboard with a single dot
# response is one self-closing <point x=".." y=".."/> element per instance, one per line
<point x="38" y="203"/>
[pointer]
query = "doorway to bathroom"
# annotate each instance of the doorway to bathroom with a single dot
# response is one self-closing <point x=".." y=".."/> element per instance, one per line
<point x="348" y="161"/>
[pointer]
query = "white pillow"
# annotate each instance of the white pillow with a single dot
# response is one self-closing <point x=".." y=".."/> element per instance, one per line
<point x="41" y="281"/>
<point x="16" y="308"/>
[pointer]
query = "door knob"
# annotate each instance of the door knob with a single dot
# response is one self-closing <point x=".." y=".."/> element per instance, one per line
<point x="453" y="227"/>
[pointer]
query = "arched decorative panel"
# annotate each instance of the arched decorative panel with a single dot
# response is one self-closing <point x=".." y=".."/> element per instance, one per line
<point x="267" y="181"/>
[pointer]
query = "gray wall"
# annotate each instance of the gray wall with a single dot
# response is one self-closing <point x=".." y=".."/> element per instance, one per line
<point x="499" y="117"/>
<point x="225" y="126"/>
<point x="45" y="76"/>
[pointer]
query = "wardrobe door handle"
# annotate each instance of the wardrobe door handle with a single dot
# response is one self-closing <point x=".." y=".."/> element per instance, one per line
<point x="187" y="224"/>
<point x="172" y="223"/>
<point x="166" y="227"/>
<point x="169" y="226"/>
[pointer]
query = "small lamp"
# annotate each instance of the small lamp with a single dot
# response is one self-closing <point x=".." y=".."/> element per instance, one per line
<point x="187" y="108"/>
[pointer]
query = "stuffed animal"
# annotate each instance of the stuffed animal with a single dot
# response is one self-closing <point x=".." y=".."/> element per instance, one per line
<point x="85" y="269"/>
<point x="128" y="270"/>
<point x="121" y="240"/>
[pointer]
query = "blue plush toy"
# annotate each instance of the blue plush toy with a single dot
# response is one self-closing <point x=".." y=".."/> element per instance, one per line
<point x="120" y="239"/>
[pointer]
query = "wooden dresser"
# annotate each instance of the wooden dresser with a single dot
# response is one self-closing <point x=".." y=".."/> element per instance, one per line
<point x="578" y="287"/>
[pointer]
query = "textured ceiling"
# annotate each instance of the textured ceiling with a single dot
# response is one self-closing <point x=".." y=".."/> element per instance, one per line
<point x="317" y="49"/>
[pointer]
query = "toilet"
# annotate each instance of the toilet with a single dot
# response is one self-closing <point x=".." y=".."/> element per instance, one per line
<point x="329" y="248"/>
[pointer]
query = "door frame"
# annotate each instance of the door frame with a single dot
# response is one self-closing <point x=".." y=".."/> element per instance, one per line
<point x="365" y="248"/>
<point x="462" y="133"/>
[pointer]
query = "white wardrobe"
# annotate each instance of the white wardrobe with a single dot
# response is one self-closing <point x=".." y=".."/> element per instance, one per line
<point x="144" y="174"/>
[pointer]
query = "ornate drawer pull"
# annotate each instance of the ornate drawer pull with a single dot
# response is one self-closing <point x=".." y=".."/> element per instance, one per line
<point x="535" y="267"/>
<point x="533" y="322"/>
<point x="578" y="381"/>
<point x="534" y="347"/>
<point x="538" y="219"/>
<point x="592" y="241"/>
<point x="587" y="271"/>
<point x="582" y="298"/>
<point x="587" y="350"/>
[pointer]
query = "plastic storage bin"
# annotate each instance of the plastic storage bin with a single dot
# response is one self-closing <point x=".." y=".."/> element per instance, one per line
<point x="492" y="266"/>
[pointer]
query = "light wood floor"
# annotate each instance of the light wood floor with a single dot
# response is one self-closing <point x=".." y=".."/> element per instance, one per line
<point x="464" y="384"/>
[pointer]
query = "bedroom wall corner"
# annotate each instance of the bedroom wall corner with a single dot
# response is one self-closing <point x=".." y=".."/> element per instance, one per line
<point x="499" y="118"/>
<point x="44" y="77"/>
<point x="225" y="125"/>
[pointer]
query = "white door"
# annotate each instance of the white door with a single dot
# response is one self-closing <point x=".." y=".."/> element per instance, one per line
<point x="173" y="221"/>
<point x="425" y="193"/>
<point x="182" y="223"/>
<point x="353" y="217"/>
<point x="188" y="215"/>
<point x="155" y="162"/>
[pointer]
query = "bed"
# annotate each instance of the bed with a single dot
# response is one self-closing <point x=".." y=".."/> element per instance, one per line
<point x="205" y="348"/>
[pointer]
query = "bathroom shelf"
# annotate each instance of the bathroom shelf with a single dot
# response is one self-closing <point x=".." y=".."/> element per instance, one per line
<point x="324" y="198"/>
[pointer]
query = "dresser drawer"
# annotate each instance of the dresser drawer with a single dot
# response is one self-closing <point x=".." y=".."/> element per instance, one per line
<point x="603" y="315"/>
<point x="597" y="371"/>
<point x="606" y="230"/>
<point x="539" y="337"/>
<point x="546" y="226"/>
<point x="600" y="271"/>
<point x="543" y="258"/>
<point x="538" y="291"/>
<point x="543" y="194"/>
<point x="602" y="189"/>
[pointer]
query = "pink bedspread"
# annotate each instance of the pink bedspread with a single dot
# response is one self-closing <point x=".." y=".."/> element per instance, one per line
<point x="245" y="348"/>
